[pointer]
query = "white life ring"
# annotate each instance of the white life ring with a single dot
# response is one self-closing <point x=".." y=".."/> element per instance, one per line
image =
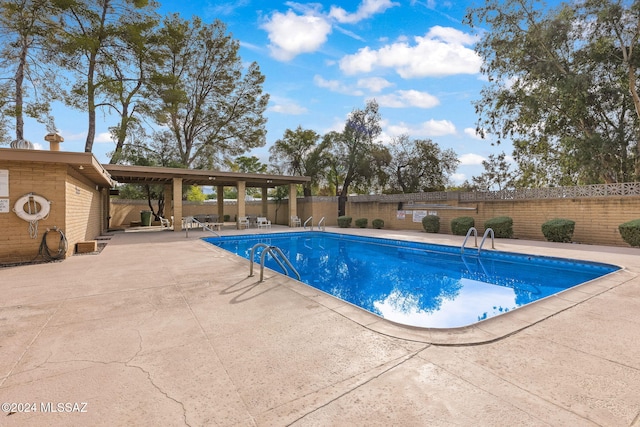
<point x="34" y="215"/>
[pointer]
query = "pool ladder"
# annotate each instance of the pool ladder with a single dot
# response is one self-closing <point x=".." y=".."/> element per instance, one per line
<point x="320" y="223"/>
<point x="472" y="230"/>
<point x="277" y="254"/>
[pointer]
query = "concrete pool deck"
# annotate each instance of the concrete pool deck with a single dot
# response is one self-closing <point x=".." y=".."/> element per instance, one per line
<point x="160" y="329"/>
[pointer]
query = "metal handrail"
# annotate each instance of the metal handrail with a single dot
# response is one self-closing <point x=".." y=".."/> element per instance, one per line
<point x="191" y="220"/>
<point x="487" y="232"/>
<point x="270" y="250"/>
<point x="475" y="233"/>
<point x="305" y="223"/>
<point x="321" y="224"/>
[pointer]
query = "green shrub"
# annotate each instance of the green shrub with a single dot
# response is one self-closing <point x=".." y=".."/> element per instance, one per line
<point x="361" y="222"/>
<point x="227" y="218"/>
<point x="502" y="226"/>
<point x="344" y="221"/>
<point x="462" y="224"/>
<point x="559" y="230"/>
<point x="630" y="232"/>
<point x="377" y="223"/>
<point x="431" y="223"/>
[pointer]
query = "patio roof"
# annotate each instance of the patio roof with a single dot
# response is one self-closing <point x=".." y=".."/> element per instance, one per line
<point x="84" y="163"/>
<point x="160" y="175"/>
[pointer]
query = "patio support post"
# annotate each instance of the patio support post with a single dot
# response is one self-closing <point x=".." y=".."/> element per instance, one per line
<point x="265" y="204"/>
<point x="242" y="190"/>
<point x="177" y="204"/>
<point x="220" y="198"/>
<point x="168" y="203"/>
<point x="293" y="203"/>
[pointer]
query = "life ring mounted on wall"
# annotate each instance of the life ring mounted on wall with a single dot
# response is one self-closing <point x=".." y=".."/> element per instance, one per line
<point x="32" y="213"/>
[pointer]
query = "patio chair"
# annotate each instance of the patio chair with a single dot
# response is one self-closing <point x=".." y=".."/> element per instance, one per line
<point x="243" y="222"/>
<point x="295" y="221"/>
<point x="263" y="222"/>
<point x="164" y="222"/>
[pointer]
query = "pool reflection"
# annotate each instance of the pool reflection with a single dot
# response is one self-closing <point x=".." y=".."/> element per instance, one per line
<point x="473" y="301"/>
<point x="417" y="284"/>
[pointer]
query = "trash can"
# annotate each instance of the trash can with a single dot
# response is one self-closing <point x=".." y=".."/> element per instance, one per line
<point x="145" y="218"/>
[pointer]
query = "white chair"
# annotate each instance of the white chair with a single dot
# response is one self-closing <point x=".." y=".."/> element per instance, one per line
<point x="295" y="221"/>
<point x="263" y="222"/>
<point x="164" y="222"/>
<point x="243" y="222"/>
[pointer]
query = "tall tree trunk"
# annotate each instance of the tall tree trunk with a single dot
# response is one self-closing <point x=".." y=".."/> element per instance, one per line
<point x="91" y="106"/>
<point x="342" y="204"/>
<point x="19" y="96"/>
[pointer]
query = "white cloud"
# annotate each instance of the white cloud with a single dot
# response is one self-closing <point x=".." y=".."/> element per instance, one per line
<point x="366" y="9"/>
<point x="429" y="128"/>
<point x="471" y="159"/>
<point x="458" y="178"/>
<point x="336" y="86"/>
<point x="226" y="8"/>
<point x="349" y="33"/>
<point x="374" y="84"/>
<point x="73" y="136"/>
<point x="103" y="137"/>
<point x="450" y="35"/>
<point x="286" y="106"/>
<point x="408" y="98"/>
<point x="441" y="52"/>
<point x="291" y="34"/>
<point x="336" y="126"/>
<point x="471" y="132"/>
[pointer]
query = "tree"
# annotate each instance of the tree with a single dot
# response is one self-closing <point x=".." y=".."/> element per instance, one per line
<point x="24" y="25"/>
<point x="561" y="86"/>
<point x="245" y="164"/>
<point x="299" y="152"/>
<point x="419" y="165"/>
<point x="90" y="42"/>
<point x="129" y="68"/>
<point x="158" y="150"/>
<point x="352" y="150"/>
<point x="496" y="173"/>
<point x="195" y="194"/>
<point x="200" y="93"/>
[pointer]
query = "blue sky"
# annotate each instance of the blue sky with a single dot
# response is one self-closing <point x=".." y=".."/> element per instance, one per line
<point x="323" y="59"/>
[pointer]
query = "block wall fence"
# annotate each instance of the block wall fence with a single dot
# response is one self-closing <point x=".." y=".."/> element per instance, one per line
<point x="598" y="210"/>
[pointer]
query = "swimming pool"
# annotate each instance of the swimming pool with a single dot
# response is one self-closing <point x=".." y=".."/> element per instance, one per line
<point x="418" y="284"/>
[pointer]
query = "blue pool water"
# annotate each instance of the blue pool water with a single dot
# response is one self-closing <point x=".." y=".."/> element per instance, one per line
<point x="418" y="284"/>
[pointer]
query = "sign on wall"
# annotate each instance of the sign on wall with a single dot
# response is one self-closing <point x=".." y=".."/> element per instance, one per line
<point x="4" y="183"/>
<point x="418" y="215"/>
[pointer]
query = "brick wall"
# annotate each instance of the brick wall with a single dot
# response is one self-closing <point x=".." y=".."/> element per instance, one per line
<point x="597" y="218"/>
<point x="83" y="209"/>
<point x="47" y="181"/>
<point x="77" y="215"/>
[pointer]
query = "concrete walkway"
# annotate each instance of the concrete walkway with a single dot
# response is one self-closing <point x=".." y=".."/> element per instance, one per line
<point x="163" y="330"/>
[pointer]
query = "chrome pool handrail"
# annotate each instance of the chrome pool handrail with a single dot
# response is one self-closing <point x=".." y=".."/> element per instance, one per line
<point x="305" y="223"/>
<point x="321" y="224"/>
<point x="191" y="220"/>
<point x="469" y="232"/>
<point x="487" y="232"/>
<point x="274" y="251"/>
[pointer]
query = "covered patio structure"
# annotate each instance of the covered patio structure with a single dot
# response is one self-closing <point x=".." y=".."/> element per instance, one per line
<point x="173" y="180"/>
